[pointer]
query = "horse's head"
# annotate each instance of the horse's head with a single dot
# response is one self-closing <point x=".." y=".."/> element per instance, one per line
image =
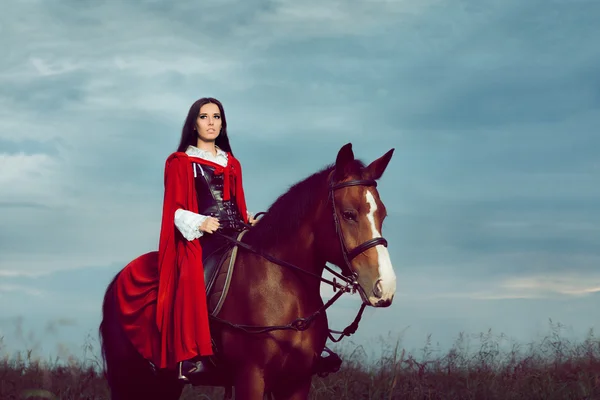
<point x="358" y="215"/>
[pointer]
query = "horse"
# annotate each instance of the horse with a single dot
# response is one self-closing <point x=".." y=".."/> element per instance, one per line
<point x="333" y="216"/>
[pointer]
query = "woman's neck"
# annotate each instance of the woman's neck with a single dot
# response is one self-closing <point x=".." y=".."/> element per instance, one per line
<point x="207" y="146"/>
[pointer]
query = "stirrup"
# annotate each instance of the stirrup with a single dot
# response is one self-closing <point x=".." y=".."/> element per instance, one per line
<point x="199" y="367"/>
<point x="180" y="376"/>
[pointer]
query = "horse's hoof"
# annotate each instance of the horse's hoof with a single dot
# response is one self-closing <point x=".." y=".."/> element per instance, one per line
<point x="329" y="364"/>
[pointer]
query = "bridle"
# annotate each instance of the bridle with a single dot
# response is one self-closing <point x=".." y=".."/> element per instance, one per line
<point x="350" y="255"/>
<point x="348" y="275"/>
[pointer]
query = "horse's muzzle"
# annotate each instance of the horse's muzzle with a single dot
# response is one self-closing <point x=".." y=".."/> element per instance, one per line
<point x="380" y="296"/>
<point x="384" y="303"/>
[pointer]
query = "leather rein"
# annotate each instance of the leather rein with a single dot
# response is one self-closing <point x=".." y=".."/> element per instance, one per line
<point x="348" y="276"/>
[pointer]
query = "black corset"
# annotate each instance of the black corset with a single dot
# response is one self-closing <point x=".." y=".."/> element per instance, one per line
<point x="209" y="190"/>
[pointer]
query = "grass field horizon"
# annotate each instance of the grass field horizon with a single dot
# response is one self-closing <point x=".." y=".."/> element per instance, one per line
<point x="485" y="365"/>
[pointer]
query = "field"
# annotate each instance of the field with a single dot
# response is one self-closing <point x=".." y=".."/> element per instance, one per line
<point x="483" y="366"/>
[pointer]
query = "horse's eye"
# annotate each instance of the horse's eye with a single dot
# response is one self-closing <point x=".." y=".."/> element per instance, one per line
<point x="349" y="215"/>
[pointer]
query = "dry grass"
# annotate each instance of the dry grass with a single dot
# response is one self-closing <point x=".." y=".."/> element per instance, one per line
<point x="492" y="368"/>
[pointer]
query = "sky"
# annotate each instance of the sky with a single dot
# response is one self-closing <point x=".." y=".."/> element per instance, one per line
<point x="492" y="107"/>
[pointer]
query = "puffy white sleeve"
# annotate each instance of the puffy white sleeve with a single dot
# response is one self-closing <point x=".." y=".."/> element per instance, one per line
<point x="187" y="223"/>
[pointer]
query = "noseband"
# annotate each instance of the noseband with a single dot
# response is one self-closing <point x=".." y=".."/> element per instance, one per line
<point x="350" y="255"/>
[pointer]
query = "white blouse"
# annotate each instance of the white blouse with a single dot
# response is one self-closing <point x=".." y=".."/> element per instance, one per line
<point x="187" y="222"/>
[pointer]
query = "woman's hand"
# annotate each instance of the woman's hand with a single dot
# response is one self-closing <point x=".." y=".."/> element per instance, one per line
<point x="209" y="225"/>
<point x="251" y="219"/>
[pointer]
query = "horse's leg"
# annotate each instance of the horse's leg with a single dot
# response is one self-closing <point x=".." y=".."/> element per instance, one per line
<point x="249" y="383"/>
<point x="296" y="392"/>
<point x="166" y="387"/>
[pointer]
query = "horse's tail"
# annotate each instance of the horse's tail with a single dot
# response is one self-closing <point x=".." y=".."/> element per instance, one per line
<point x="125" y="370"/>
<point x="109" y="333"/>
<point x="128" y="374"/>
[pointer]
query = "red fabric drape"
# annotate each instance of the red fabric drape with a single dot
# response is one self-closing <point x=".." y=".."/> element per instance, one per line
<point x="161" y="295"/>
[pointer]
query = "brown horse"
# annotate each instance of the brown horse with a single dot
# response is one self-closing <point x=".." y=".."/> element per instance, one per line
<point x="335" y="216"/>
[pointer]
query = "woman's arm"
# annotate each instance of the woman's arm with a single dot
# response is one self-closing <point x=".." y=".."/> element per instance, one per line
<point x="188" y="223"/>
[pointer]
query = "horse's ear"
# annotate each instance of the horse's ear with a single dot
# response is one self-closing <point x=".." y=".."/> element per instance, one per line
<point x="376" y="168"/>
<point x="345" y="156"/>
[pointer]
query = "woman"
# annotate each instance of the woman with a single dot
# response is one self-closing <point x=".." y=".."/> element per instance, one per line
<point x="203" y="194"/>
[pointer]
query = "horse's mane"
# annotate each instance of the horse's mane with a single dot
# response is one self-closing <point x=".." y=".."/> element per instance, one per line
<point x="285" y="216"/>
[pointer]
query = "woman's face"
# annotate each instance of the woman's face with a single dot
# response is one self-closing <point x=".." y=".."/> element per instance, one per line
<point x="208" y="123"/>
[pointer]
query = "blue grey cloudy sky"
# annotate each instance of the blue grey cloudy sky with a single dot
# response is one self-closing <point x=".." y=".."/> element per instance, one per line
<point x="492" y="107"/>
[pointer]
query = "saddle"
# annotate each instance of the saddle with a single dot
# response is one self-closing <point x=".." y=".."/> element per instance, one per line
<point x="218" y="270"/>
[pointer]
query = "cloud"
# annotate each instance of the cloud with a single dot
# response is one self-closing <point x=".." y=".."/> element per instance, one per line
<point x="24" y="290"/>
<point x="452" y="284"/>
<point x="29" y="178"/>
<point x="44" y="68"/>
<point x="561" y="285"/>
<point x="316" y="19"/>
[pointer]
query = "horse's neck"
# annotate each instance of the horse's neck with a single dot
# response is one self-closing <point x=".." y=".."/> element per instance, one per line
<point x="300" y="251"/>
<point x="301" y="248"/>
<point x="302" y="254"/>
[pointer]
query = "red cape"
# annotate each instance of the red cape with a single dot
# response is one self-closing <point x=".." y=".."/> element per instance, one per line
<point x="161" y="295"/>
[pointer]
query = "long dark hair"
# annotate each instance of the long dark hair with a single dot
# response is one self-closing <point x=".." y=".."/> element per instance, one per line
<point x="188" y="133"/>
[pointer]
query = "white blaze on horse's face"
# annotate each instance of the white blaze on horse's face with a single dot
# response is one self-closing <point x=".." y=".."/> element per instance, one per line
<point x="385" y="284"/>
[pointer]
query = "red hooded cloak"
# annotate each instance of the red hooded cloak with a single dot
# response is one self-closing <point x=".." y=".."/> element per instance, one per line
<point x="161" y="295"/>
